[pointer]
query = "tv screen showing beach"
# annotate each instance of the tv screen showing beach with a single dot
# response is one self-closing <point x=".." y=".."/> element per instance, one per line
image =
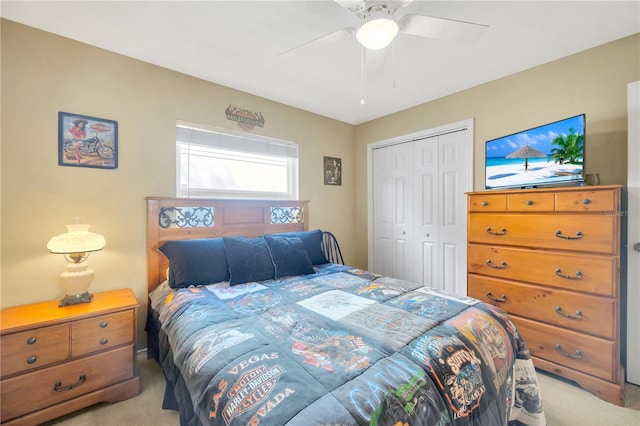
<point x="548" y="155"/>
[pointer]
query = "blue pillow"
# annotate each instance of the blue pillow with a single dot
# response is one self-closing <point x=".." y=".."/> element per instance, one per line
<point x="288" y="256"/>
<point x="248" y="259"/>
<point x="195" y="262"/>
<point x="312" y="241"/>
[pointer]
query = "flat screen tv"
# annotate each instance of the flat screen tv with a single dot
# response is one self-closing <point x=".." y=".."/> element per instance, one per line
<point x="547" y="155"/>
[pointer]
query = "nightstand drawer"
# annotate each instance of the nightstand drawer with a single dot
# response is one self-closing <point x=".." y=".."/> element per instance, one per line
<point x="34" y="348"/>
<point x="102" y="332"/>
<point x="39" y="389"/>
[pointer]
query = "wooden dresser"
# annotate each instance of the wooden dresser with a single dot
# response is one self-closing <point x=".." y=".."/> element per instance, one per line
<point x="58" y="360"/>
<point x="551" y="258"/>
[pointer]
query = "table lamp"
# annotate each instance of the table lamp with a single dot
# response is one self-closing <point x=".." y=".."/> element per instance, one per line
<point x="76" y="244"/>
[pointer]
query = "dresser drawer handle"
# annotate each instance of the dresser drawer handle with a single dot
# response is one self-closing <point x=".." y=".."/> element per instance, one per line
<point x="59" y="388"/>
<point x="578" y="275"/>
<point x="32" y="360"/>
<point x="104" y="341"/>
<point x="502" y="299"/>
<point x="578" y="354"/>
<point x="564" y="314"/>
<point x="586" y="201"/>
<point x="529" y="203"/>
<point x="104" y="324"/>
<point x="484" y="204"/>
<point x="502" y="231"/>
<point x="31" y="340"/>
<point x="566" y="237"/>
<point x="502" y="264"/>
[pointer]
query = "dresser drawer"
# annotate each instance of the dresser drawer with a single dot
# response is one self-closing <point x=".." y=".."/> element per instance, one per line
<point x="586" y="201"/>
<point x="101" y="332"/>
<point x="578" y="272"/>
<point x="34" y="348"/>
<point x="587" y="354"/>
<point x="589" y="233"/>
<point x="581" y="312"/>
<point x="488" y="203"/>
<point x="36" y="390"/>
<point x="531" y="202"/>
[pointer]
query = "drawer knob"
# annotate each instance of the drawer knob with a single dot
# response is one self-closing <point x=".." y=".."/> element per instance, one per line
<point x="31" y="340"/>
<point x="59" y="388"/>
<point x="578" y="354"/>
<point x="502" y="264"/>
<point x="32" y="360"/>
<point x="484" y="204"/>
<point x="586" y="201"/>
<point x="104" y="341"/>
<point x="529" y="202"/>
<point x="577" y="276"/>
<point x="104" y="324"/>
<point x="578" y="316"/>
<point x="501" y="232"/>
<point x="502" y="298"/>
<point x="568" y="237"/>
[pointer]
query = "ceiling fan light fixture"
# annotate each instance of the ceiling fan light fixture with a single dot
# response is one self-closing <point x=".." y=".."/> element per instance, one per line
<point x="377" y="33"/>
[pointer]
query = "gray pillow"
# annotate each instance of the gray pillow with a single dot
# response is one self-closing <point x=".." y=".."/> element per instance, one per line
<point x="288" y="255"/>
<point x="248" y="259"/>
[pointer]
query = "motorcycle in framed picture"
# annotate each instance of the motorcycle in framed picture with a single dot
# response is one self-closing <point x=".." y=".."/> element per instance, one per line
<point x="85" y="141"/>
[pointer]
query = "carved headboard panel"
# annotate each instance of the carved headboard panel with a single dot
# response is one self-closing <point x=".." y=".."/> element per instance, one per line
<point x="188" y="218"/>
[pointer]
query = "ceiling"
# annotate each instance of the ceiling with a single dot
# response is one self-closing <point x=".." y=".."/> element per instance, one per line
<point x="239" y="44"/>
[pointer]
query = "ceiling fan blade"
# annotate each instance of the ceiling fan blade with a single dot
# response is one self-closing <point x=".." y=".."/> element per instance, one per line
<point x="442" y="29"/>
<point x="327" y="39"/>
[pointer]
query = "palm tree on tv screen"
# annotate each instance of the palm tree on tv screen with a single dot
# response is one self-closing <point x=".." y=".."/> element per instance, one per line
<point x="571" y="148"/>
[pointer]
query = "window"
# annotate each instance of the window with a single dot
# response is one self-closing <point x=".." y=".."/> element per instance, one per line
<point x="215" y="163"/>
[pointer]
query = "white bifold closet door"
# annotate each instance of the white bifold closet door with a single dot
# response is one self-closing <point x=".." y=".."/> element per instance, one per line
<point x="419" y="210"/>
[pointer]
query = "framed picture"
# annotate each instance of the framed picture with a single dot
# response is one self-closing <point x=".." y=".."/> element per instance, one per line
<point x="85" y="141"/>
<point x="332" y="171"/>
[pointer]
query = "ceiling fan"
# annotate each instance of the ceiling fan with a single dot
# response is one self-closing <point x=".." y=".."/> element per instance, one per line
<point x="381" y="23"/>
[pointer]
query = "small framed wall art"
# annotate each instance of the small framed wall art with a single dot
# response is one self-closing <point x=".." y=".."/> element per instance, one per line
<point x="85" y="141"/>
<point x="332" y="171"/>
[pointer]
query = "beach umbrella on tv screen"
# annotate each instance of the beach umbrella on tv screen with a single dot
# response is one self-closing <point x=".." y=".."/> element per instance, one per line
<point x="526" y="152"/>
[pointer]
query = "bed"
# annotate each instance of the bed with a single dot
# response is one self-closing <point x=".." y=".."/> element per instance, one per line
<point x="254" y="320"/>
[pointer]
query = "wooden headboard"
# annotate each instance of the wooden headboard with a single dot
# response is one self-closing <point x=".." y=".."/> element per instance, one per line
<point x="188" y="218"/>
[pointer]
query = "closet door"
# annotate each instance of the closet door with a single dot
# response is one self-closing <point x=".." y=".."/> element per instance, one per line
<point x="426" y="198"/>
<point x="441" y="174"/>
<point x="419" y="228"/>
<point x="455" y="176"/>
<point x="383" y="195"/>
<point x="394" y="250"/>
<point x="403" y="224"/>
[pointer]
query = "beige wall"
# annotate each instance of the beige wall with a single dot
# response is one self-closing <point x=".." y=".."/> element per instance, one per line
<point x="592" y="82"/>
<point x="43" y="74"/>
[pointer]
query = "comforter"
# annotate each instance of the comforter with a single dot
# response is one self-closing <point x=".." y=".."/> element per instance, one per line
<point x="342" y="346"/>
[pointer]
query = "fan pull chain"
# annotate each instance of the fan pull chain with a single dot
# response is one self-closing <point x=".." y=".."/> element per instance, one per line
<point x="362" y="75"/>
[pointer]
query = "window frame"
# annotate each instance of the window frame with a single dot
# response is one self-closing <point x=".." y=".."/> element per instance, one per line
<point x="226" y="137"/>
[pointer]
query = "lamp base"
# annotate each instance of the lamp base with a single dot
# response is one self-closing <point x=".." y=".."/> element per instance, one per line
<point x="75" y="299"/>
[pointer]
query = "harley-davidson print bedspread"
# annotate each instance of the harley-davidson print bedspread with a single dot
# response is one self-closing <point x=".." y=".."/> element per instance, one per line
<point x="344" y="347"/>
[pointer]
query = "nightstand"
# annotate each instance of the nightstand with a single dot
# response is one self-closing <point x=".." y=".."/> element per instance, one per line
<point x="58" y="360"/>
